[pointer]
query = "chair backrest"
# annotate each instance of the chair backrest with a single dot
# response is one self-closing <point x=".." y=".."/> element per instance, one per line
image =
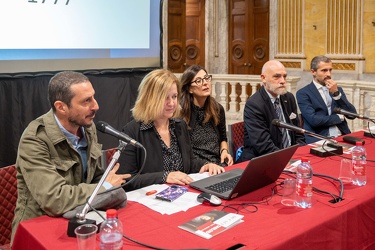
<point x="8" y="199"/>
<point x="235" y="137"/>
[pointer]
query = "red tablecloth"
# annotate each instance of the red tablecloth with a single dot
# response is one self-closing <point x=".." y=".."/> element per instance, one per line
<point x="349" y="224"/>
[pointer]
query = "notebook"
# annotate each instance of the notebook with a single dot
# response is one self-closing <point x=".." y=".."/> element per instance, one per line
<point x="261" y="171"/>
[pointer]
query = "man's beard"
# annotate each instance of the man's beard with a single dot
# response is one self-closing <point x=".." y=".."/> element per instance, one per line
<point x="76" y="123"/>
<point x="80" y="124"/>
<point x="278" y="91"/>
<point x="323" y="82"/>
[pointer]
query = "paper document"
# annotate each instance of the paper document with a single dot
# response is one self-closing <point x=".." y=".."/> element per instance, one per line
<point x="183" y="203"/>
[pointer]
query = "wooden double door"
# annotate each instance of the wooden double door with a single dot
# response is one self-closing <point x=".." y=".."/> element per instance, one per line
<point x="186" y="34"/>
<point x="248" y="35"/>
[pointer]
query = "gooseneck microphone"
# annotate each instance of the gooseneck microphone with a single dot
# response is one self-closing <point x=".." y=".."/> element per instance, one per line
<point x="296" y="129"/>
<point x="355" y="115"/>
<point x="281" y="124"/>
<point x="106" y="128"/>
<point x="80" y="217"/>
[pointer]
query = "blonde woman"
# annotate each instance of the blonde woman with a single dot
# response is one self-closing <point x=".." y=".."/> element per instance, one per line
<point x="165" y="137"/>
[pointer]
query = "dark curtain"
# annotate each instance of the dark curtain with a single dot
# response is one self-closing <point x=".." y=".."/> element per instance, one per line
<point x="24" y="97"/>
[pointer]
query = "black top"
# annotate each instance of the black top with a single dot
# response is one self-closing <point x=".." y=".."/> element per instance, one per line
<point x="206" y="138"/>
<point x="172" y="159"/>
<point x="154" y="171"/>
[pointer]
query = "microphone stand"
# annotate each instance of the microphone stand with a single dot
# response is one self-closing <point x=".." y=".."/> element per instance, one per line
<point x="362" y="117"/>
<point x="80" y="218"/>
<point x="369" y="133"/>
<point x="320" y="136"/>
<point x="332" y="148"/>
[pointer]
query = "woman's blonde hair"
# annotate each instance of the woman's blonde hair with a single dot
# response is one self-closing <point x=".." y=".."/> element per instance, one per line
<point x="152" y="93"/>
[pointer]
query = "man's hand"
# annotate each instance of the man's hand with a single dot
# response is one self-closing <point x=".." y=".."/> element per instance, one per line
<point x="116" y="179"/>
<point x="331" y="86"/>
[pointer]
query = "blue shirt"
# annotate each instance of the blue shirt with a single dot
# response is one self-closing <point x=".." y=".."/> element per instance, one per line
<point x="80" y="144"/>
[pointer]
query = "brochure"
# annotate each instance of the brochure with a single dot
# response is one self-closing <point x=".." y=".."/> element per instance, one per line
<point x="212" y="223"/>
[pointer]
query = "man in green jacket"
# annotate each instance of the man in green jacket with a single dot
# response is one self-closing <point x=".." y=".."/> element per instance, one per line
<point x="58" y="162"/>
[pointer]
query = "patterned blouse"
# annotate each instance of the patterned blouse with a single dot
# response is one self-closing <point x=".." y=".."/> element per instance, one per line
<point x="204" y="139"/>
<point x="172" y="158"/>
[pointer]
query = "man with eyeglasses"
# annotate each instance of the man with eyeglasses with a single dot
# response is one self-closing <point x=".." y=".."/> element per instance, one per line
<point x="271" y="101"/>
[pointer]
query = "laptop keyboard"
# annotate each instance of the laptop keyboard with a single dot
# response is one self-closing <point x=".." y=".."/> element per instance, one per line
<point x="224" y="186"/>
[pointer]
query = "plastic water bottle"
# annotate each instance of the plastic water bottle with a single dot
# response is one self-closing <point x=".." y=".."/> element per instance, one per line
<point x="359" y="165"/>
<point x="304" y="184"/>
<point x="111" y="232"/>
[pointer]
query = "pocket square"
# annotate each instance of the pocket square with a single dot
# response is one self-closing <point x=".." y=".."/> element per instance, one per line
<point x="292" y="116"/>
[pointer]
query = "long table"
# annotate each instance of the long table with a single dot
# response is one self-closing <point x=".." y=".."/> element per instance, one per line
<point x="349" y="224"/>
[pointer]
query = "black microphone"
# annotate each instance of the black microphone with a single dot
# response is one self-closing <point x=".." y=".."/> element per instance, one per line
<point x="332" y="149"/>
<point x="344" y="112"/>
<point x="296" y="129"/>
<point x="281" y="124"/>
<point x="106" y="128"/>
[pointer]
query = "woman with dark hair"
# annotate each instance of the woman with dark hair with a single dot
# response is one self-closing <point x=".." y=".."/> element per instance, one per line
<point x="205" y="117"/>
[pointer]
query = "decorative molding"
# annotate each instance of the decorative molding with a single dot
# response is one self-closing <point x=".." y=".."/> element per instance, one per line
<point x="344" y="66"/>
<point x="293" y="63"/>
<point x="175" y="52"/>
<point x="192" y="51"/>
<point x="296" y="65"/>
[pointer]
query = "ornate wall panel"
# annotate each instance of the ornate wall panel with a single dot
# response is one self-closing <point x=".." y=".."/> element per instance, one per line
<point x="290" y="21"/>
<point x="344" y="27"/>
<point x="290" y="37"/>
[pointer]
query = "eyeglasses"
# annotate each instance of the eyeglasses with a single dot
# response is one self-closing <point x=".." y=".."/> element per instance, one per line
<point x="199" y="81"/>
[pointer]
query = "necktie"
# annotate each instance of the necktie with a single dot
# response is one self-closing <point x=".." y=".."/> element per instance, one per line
<point x="328" y="99"/>
<point x="285" y="140"/>
<point x="332" y="129"/>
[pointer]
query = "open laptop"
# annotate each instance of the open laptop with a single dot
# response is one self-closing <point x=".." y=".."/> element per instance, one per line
<point x="261" y="171"/>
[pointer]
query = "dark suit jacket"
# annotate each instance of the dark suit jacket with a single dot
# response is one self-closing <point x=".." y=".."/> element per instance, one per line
<point x="132" y="158"/>
<point x="315" y="113"/>
<point x="261" y="136"/>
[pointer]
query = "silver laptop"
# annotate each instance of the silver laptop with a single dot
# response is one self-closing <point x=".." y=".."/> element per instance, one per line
<point x="261" y="171"/>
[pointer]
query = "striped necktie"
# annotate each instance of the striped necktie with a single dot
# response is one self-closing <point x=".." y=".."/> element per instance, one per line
<point x="285" y="140"/>
<point x="332" y="129"/>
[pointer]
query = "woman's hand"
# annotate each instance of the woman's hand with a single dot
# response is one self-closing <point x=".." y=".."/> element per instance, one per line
<point x="226" y="157"/>
<point x="212" y="169"/>
<point x="178" y="177"/>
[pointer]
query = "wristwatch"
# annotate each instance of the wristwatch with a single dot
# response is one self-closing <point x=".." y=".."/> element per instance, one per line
<point x="337" y="93"/>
